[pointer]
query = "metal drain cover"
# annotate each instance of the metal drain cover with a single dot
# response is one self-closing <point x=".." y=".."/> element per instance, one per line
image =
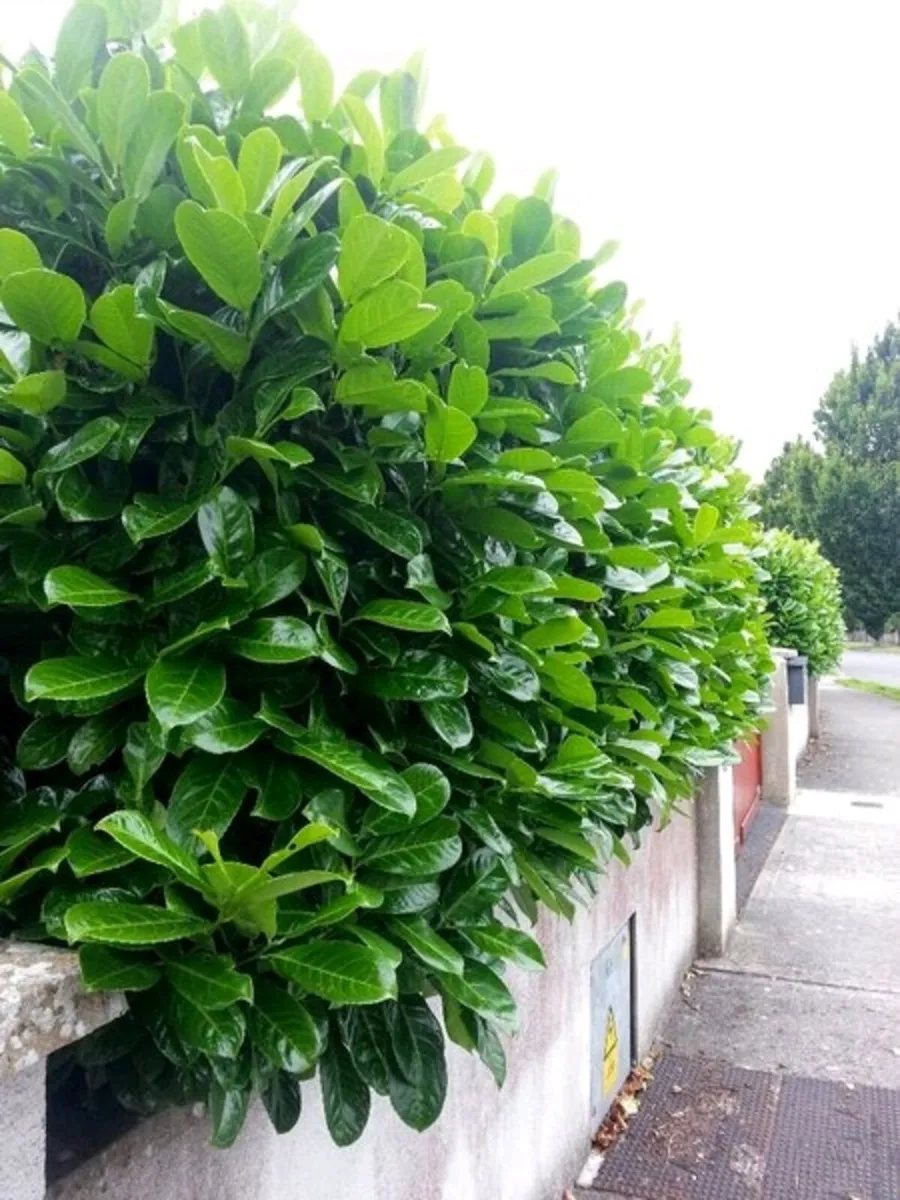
<point x="706" y="1131"/>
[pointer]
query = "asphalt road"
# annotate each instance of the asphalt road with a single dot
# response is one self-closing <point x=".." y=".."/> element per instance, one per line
<point x="879" y="666"/>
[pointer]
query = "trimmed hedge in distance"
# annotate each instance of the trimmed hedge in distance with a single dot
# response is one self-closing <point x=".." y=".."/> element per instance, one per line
<point x="367" y="584"/>
<point x="804" y="605"/>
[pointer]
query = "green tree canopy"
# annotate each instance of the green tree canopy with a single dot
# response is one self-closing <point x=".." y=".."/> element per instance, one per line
<point x="845" y="491"/>
<point x="803" y="600"/>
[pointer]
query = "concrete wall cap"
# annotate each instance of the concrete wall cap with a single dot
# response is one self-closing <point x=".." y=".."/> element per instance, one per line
<point x="43" y="1005"/>
<point x="784" y="652"/>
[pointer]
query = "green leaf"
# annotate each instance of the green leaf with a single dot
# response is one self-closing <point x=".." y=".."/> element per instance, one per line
<point x="223" y="182"/>
<point x="468" y="389"/>
<point x="272" y="76"/>
<point x="81" y="38"/>
<point x="89" y="441"/>
<point x="12" y="472"/>
<point x="226" y="530"/>
<point x="418" y="1092"/>
<point x="227" y="1107"/>
<point x="17" y="253"/>
<point x="222" y="250"/>
<point x="39" y="393"/>
<point x="559" y="631"/>
<point x="218" y="1032"/>
<point x="15" y="129"/>
<point x="79" y="679"/>
<point x="121" y="100"/>
<point x="372" y="251"/>
<point x="372" y="384"/>
<point x="405" y="614"/>
<point x="669" y="618"/>
<point x="89" y="854"/>
<point x="207" y="795"/>
<point x="706" y="519"/>
<point x="182" y="690"/>
<point x="116" y="322"/>
<point x="518" y="581"/>
<point x="48" y="306"/>
<point x="567" y="682"/>
<point x="80" y="588"/>
<point x="141" y="837"/>
<point x="450" y="720"/>
<point x="598" y="428"/>
<point x="419" y="675"/>
<point x="208" y="981"/>
<point x="230" y="349"/>
<point x="258" y="161"/>
<point x="149" y="146"/>
<point x="435" y="162"/>
<point x="390" y="313"/>
<point x="119" y="923"/>
<point x="448" y="433"/>
<point x="154" y="516"/>
<point x="427" y="945"/>
<point x="226" y="729"/>
<point x="103" y="970"/>
<point x="275" y="575"/>
<point x="482" y="990"/>
<point x="42" y="97"/>
<point x="345" y="1097"/>
<point x="337" y="971"/>
<point x="283" y="1029"/>
<point x="534" y="273"/>
<point x="226" y="50"/>
<point x="424" y="850"/>
<point x="510" y="944"/>
<point x="358" y="768"/>
<point x="316" y="84"/>
<point x="43" y="744"/>
<point x="396" y="533"/>
<point x="275" y="640"/>
<point x="370" y="134"/>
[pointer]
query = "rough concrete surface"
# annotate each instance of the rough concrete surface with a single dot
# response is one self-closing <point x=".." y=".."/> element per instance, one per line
<point x="43" y="1007"/>
<point x="806" y="1002"/>
<point x="22" y="1122"/>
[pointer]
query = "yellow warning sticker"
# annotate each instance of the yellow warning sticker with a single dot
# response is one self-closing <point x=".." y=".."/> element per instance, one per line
<point x="610" y="1054"/>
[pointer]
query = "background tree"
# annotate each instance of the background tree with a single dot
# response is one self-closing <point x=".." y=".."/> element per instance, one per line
<point x="847" y="495"/>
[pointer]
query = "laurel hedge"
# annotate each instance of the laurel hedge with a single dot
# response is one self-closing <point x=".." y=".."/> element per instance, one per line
<point x="804" y="604"/>
<point x="367" y="584"/>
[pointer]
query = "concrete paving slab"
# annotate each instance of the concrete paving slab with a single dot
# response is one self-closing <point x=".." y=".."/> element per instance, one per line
<point x="825" y="908"/>
<point x="781" y="1025"/>
<point x="859" y="747"/>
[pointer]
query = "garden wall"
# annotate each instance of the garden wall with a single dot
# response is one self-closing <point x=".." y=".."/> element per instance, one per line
<point x="524" y="1143"/>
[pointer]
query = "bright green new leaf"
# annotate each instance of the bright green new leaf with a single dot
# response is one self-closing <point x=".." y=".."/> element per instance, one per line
<point x="449" y="433"/>
<point x="388" y="314"/>
<point x="121" y="100"/>
<point x="223" y="251"/>
<point x="258" y="161"/>
<point x="17" y="253"/>
<point x="48" y="306"/>
<point x="226" y="49"/>
<point x="371" y="252"/>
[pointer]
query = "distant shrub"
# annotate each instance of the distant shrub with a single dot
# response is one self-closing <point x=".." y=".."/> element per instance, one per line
<point x="803" y="600"/>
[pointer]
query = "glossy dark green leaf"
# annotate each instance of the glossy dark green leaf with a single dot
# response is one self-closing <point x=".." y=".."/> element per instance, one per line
<point x="427" y="945"/>
<point x="419" y="675"/>
<point x="282" y="1028"/>
<point x="44" y="743"/>
<point x="359" y="768"/>
<point x="337" y="971"/>
<point x="396" y="533"/>
<point x="423" y="850"/>
<point x="280" y="1093"/>
<point x="82" y="589"/>
<point x="451" y="721"/>
<point x="103" y="970"/>
<point x="225" y="729"/>
<point x="79" y="679"/>
<point x="137" y="834"/>
<point x="182" y="690"/>
<point x="275" y="640"/>
<point x="217" y="1032"/>
<point x="90" y="854"/>
<point x="208" y="981"/>
<point x="482" y="990"/>
<point x="118" y="923"/>
<point x="226" y="529"/>
<point x="206" y="795"/>
<point x="345" y="1097"/>
<point x="418" y="1091"/>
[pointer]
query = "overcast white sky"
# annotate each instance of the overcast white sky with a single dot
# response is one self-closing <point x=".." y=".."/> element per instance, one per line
<point x="744" y="154"/>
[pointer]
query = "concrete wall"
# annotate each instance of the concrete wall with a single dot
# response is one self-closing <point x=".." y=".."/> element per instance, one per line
<point x="525" y="1143"/>
<point x="785" y="736"/>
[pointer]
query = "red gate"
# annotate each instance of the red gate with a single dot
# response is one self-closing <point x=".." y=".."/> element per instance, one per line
<point x="747" y="788"/>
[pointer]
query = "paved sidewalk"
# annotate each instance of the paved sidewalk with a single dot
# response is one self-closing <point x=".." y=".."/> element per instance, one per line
<point x="780" y="1078"/>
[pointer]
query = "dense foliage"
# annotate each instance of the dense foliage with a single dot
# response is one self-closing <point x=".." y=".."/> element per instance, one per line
<point x="367" y="584"/>
<point x="803" y="600"/>
<point x="848" y="497"/>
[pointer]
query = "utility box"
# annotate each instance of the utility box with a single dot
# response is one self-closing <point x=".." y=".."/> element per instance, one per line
<point x="611" y="1022"/>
